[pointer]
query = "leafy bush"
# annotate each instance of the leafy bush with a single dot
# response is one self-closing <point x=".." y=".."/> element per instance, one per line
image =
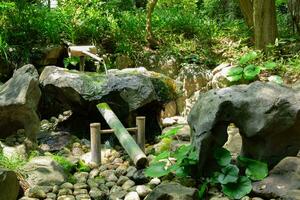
<point x="247" y="70"/>
<point x="185" y="160"/>
<point x="233" y="183"/>
<point x="64" y="163"/>
<point x="13" y="163"/>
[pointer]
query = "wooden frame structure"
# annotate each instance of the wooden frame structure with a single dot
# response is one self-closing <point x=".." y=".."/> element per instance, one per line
<point x="134" y="150"/>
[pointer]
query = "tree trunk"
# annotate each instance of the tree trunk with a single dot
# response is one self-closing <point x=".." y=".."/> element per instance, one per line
<point x="152" y="43"/>
<point x="294" y="9"/>
<point x="128" y="143"/>
<point x="264" y="20"/>
<point x="247" y="10"/>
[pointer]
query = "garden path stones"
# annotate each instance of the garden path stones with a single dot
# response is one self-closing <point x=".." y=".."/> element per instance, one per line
<point x="132" y="196"/>
<point x="128" y="184"/>
<point x="143" y="190"/>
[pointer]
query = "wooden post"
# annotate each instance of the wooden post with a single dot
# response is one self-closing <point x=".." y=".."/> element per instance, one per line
<point x="82" y="63"/>
<point x="128" y="143"/>
<point x="140" y="123"/>
<point x="95" y="143"/>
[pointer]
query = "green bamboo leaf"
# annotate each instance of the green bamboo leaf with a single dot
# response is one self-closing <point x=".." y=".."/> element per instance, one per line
<point x="202" y="189"/>
<point x="239" y="189"/>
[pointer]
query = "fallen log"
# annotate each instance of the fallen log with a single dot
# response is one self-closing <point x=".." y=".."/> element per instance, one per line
<point x="128" y="143"/>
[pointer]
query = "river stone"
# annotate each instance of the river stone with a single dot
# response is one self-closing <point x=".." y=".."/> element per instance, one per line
<point x="143" y="190"/>
<point x="265" y="113"/>
<point x="128" y="90"/>
<point x="36" y="192"/>
<point x="9" y="185"/>
<point x="43" y="170"/>
<point x="19" y="98"/>
<point x="97" y="194"/>
<point x="132" y="196"/>
<point x="173" y="191"/>
<point x="283" y="181"/>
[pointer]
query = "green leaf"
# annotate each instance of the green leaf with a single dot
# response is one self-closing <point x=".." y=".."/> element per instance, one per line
<point x="181" y="172"/>
<point x="276" y="79"/>
<point x="202" y="189"/>
<point x="235" y="78"/>
<point x="229" y="174"/>
<point x="255" y="170"/>
<point x="163" y="155"/>
<point x="269" y="66"/>
<point x="171" y="132"/>
<point x="239" y="189"/>
<point x="248" y="57"/>
<point x="182" y="152"/>
<point x="251" y="71"/>
<point x="156" y="170"/>
<point x="222" y="156"/>
<point x="234" y="71"/>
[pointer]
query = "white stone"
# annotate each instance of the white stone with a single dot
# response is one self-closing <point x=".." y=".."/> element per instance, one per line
<point x="132" y="196"/>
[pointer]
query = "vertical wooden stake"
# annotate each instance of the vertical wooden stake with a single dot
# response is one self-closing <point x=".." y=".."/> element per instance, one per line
<point x="140" y="123"/>
<point x="82" y="63"/>
<point x="95" y="143"/>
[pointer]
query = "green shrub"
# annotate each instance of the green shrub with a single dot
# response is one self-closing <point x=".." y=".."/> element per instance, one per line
<point x="13" y="163"/>
<point x="234" y="183"/>
<point x="64" y="163"/>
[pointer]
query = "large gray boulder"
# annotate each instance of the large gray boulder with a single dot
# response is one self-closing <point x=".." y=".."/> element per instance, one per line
<point x="266" y="114"/>
<point x="43" y="171"/>
<point x="9" y="185"/>
<point x="19" y="98"/>
<point x="283" y="181"/>
<point x="173" y="191"/>
<point x="127" y="91"/>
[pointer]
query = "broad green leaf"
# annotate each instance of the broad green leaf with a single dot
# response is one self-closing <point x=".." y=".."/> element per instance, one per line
<point x="255" y="170"/>
<point x="222" y="156"/>
<point x="239" y="189"/>
<point x="171" y="132"/>
<point x="269" y="66"/>
<point x="229" y="174"/>
<point x="251" y="71"/>
<point x="163" y="155"/>
<point x="235" y="71"/>
<point x="181" y="172"/>
<point x="248" y="57"/>
<point x="182" y="153"/>
<point x="276" y="79"/>
<point x="156" y="170"/>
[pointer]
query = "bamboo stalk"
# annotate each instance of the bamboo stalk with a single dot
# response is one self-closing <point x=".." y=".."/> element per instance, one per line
<point x="107" y="131"/>
<point x="140" y="123"/>
<point x="128" y="143"/>
<point x="95" y="143"/>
